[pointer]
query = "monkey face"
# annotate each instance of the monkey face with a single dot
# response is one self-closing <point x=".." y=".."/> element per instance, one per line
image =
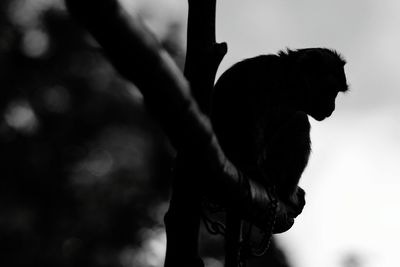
<point x="323" y="88"/>
<point x="324" y="77"/>
<point x="321" y="106"/>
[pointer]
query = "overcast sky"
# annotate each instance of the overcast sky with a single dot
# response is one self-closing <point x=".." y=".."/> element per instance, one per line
<point x="353" y="179"/>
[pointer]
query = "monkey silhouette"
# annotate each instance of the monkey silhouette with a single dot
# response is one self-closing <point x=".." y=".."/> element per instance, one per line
<point x="260" y="112"/>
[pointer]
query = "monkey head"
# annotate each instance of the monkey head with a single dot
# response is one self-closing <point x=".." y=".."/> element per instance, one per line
<point x="322" y="73"/>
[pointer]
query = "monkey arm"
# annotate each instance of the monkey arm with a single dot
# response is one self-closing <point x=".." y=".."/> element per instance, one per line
<point x="285" y="149"/>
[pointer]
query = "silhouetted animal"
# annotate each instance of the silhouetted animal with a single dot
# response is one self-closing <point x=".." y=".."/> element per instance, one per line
<point x="260" y="108"/>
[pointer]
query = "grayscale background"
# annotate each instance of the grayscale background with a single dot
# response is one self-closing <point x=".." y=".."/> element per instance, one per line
<point x="110" y="170"/>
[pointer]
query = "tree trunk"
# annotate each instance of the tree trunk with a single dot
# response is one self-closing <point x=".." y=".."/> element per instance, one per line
<point x="203" y="56"/>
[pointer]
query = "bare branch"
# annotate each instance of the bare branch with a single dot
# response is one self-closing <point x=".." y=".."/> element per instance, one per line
<point x="202" y="61"/>
<point x="203" y="53"/>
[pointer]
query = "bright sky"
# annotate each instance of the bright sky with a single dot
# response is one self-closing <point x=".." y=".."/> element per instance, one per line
<point x="353" y="179"/>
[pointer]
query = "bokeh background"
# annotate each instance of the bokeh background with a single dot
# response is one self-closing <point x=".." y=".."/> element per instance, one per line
<point x="85" y="170"/>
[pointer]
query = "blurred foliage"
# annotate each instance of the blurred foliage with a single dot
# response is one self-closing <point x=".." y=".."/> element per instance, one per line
<point x="85" y="170"/>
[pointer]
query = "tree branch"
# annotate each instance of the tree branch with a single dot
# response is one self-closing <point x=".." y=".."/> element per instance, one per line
<point x="139" y="57"/>
<point x="203" y="54"/>
<point x="202" y="60"/>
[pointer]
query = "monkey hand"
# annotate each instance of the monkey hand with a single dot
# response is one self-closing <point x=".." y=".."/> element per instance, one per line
<point x="288" y="210"/>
